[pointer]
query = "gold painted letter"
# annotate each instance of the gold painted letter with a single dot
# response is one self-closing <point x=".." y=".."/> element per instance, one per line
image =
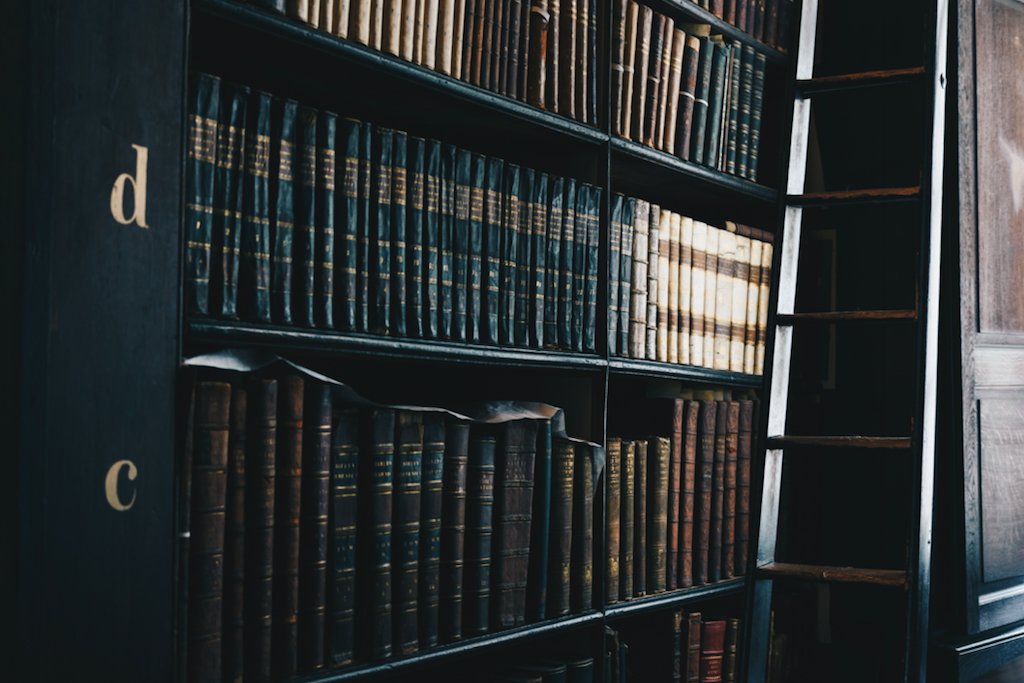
<point x="139" y="189"/>
<point x="112" y="475"/>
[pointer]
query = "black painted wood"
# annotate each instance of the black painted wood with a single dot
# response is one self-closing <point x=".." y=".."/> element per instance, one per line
<point x="676" y="599"/>
<point x="963" y="658"/>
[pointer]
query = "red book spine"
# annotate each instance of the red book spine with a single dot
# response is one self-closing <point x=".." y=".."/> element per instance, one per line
<point x="717" y="495"/>
<point x="687" y="494"/>
<point x="712" y="650"/>
<point x="674" y="479"/>
<point x="702" y="504"/>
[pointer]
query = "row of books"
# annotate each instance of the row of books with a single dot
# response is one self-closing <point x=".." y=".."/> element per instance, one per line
<point x="683" y="291"/>
<point x="678" y="507"/>
<point x="300" y="217"/>
<point x="697" y="650"/>
<point x="765" y="20"/>
<point x="680" y="90"/>
<point x="542" y="52"/>
<point x="324" y="534"/>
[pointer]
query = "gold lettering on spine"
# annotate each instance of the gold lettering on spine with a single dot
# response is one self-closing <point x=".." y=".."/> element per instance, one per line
<point x="138" y="188"/>
<point x="111" y="484"/>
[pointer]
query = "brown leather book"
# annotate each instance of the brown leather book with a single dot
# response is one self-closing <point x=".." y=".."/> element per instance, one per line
<point x="687" y="88"/>
<point x="206" y="573"/>
<point x="560" y="535"/>
<point x="499" y="77"/>
<point x="659" y="451"/>
<point x="627" y="494"/>
<point x="405" y="530"/>
<point x="316" y="472"/>
<point x="612" y="519"/>
<point x="287" y="501"/>
<point x="567" y="59"/>
<point x="729" y="11"/>
<point x="687" y="493"/>
<point x="479" y="532"/>
<point x="261" y="474"/>
<point x="691" y="636"/>
<point x="459" y="36"/>
<point x="732" y="630"/>
<point x="618" y="67"/>
<point x="641" y="63"/>
<point x="702" y="502"/>
<point x="742" y="6"/>
<point x="629" y="67"/>
<point x="771" y="22"/>
<point x="487" y="49"/>
<point x="537" y="69"/>
<point x="430" y="528"/>
<point x="666" y="77"/>
<point x="234" y="542"/>
<point x="718" y="8"/>
<point x="717" y="494"/>
<point x="472" y="46"/>
<point x="551" y="87"/>
<point x="583" y="49"/>
<point x="640" y="519"/>
<point x="758" y="31"/>
<point x="453" y="530"/>
<point x="653" y="86"/>
<point x="712" y="650"/>
<point x="492" y="44"/>
<point x="674" y="476"/>
<point x="515" y="20"/>
<point x="729" y="501"/>
<point x="524" y="50"/>
<point x="743" y="457"/>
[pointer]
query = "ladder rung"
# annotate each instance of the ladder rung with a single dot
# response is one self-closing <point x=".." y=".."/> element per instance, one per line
<point x="842" y="441"/>
<point x="811" y="572"/>
<point x="844" y="316"/>
<point x="860" y="80"/>
<point x="887" y="194"/>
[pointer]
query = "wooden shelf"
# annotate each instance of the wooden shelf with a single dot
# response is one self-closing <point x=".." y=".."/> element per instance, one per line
<point x="830" y="317"/>
<point x="847" y="197"/>
<point x="676" y="598"/>
<point x="840" y="441"/>
<point x="810" y="572"/>
<point x="690" y="373"/>
<point x="703" y="16"/>
<point x="867" y="79"/>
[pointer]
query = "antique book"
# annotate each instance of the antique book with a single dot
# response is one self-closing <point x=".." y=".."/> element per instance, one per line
<point x="676" y="655"/>
<point x="341" y="582"/>
<point x="716" y="100"/>
<point x="445" y="36"/>
<point x="260" y="472"/>
<point x="762" y="307"/>
<point x="639" y="518"/>
<point x="744" y="454"/>
<point x="691" y="633"/>
<point x="702" y="494"/>
<point x="458" y="37"/>
<point x="658" y="139"/>
<point x="405" y="530"/>
<point x="787" y="9"/>
<point x="326" y="154"/>
<point x="581" y="249"/>
<point x="524" y="50"/>
<point x="476" y="589"/>
<point x="536" y="79"/>
<point x="472" y="44"/>
<point x="460" y="245"/>
<point x="593" y="216"/>
<point x="340" y="22"/>
<point x="254" y="276"/>
<point x="626" y="274"/>
<point x="712" y="649"/>
<point x="698" y="127"/>
<point x="687" y="96"/>
<point x="560" y="536"/>
<point x="710" y="294"/>
<point x="201" y="167"/>
<point x="364" y="235"/>
<point x="553" y="45"/>
<point x="612" y="518"/>
<point x="638" y="290"/>
<point x="641" y="64"/>
<point x="732" y="629"/>
<point x="445" y="240"/>
<point x="537" y="573"/>
<point x="614" y="267"/>
<point x="347" y="212"/>
<point x="509" y="257"/>
<point x="756" y="102"/>
<point x="654" y="236"/>
<point x="724" y="299"/>
<point x="685" y="282"/>
<point x="453" y="530"/>
<point x="209" y="481"/>
<point x="746" y="97"/>
<point x="732" y="133"/>
<point x="491" y="38"/>
<point x="227" y="201"/>
<point x="580" y="671"/>
<point x="758" y="31"/>
<point x="677" y="412"/>
<point x="374" y="584"/>
<point x="515" y="19"/>
<point x="583" y="56"/>
<point x="552" y="287"/>
<point x="627" y="496"/>
<point x="674" y="317"/>
<point x="717" y="494"/>
<point x="399" y="250"/>
<point x="538" y="257"/>
<point x="566" y="312"/>
<point x="673" y="91"/>
<point x="523" y="279"/>
<point x="282" y="226"/>
<point x="698" y="279"/>
<point x="499" y="65"/>
<point x="287" y="509"/>
<point x="591" y="98"/>
<point x="618" y="66"/>
<point x="380" y="242"/>
<point x="359" y="21"/>
<point x="740" y="287"/>
<point x="491" y="250"/>
<point x="414" y="207"/>
<point x="629" y="66"/>
<point x="653" y="86"/>
<point x="313" y="524"/>
<point x="582" y="562"/>
<point x="664" y="289"/>
<point x="427" y="45"/>
<point x="474" y="282"/>
<point x="431" y="242"/>
<point x="304" y="236"/>
<point x="233" y="636"/>
<point x="753" y="294"/>
<point x="687" y="493"/>
<point x="659" y="451"/>
<point x="431" y="492"/>
<point x="732" y="418"/>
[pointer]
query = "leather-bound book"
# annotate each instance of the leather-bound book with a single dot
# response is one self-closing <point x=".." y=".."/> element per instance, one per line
<point x="326" y="178"/>
<point x="691" y="634"/>
<point x="641" y="64"/>
<point x="476" y="588"/>
<point x="652" y="89"/>
<point x="560" y="538"/>
<point x="654" y="237"/>
<point x="391" y="40"/>
<point x="710" y="294"/>
<point x="537" y="576"/>
<point x="676" y="656"/>
<point x="740" y="287"/>
<point x="260" y="472"/>
<point x="552" y="45"/>
<point x="380" y="234"/>
<point x="685" y="282"/>
<point x="313" y="524"/>
<point x="729" y="12"/>
<point x="283" y="161"/>
<point x="591" y="98"/>
<point x="702" y="502"/>
<point x="304" y="245"/>
<point x="746" y="97"/>
<point x="673" y="90"/>
<point x="717" y="494"/>
<point x="398" y="237"/>
<point x="698" y="279"/>
<point x="716" y="97"/>
<point x="460" y="244"/>
<point x="687" y="496"/>
<point x="659" y="453"/>
<point x="756" y="102"/>
<point x="712" y="649"/>
<point x="487" y="43"/>
<point x="580" y="671"/>
<point x="723" y="299"/>
<point x="446" y="236"/>
<point x="666" y="77"/>
<point x="614" y="268"/>
<point x="658" y="286"/>
<point x="491" y="251"/>
<point x="638" y="290"/>
<point x="758" y="31"/>
<point x="428" y="50"/>
<point x="359" y="21"/>
<point x="373" y="583"/>
<point x="453" y="531"/>
<point x="581" y="597"/>
<point x="523" y="276"/>
<point x="287" y="504"/>
<point x="347" y="215"/>
<point x="678" y="410"/>
<point x="234" y="542"/>
<point x="494" y="21"/>
<point x="674" y="318"/>
<point x="732" y="629"/>
<point x="618" y="67"/>
<point x="407" y="39"/>
<point x="633" y="14"/>
<point x="742" y="7"/>
<point x="431" y="242"/>
<point x="341" y="578"/>
<point x="524" y="51"/>
<point x="405" y="531"/>
<point x="566" y="313"/>
<point x="698" y="126"/>
<point x="744" y="453"/>
<point x="254" y="278"/>
<point x="474" y="283"/>
<point x="509" y="257"/>
<point x="515" y="20"/>
<point x="771" y="23"/>
<point x="787" y="9"/>
<point x="323" y="10"/>
<point x="513" y="506"/>
<point x="729" y="500"/>
<point x="537" y="68"/>
<point x="499" y="67"/>
<point x="340" y="23"/>
<point x="414" y="206"/>
<point x="364" y="266"/>
<point x="227" y="220"/>
<point x="732" y="136"/>
<point x="567" y="58"/>
<point x="762" y="307"/>
<point x="627" y="494"/>
<point x="717" y="8"/>
<point x="687" y="96"/>
<point x="539" y="255"/>
<point x="206" y="573"/>
<point x="753" y="294"/>
<point x="583" y="48"/>
<point x="626" y="274"/>
<point x="554" y="258"/>
<point x="459" y="36"/>
<point x="430" y="528"/>
<point x="640" y="518"/>
<point x="612" y="519"/>
<point x="593" y="213"/>
<point x="204" y="100"/>
<point x="445" y="36"/>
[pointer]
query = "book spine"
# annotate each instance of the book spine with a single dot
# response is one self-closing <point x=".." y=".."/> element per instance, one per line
<point x="716" y="95"/>
<point x="346" y="303"/>
<point x="453" y="531"/>
<point x="405" y="542"/>
<point x="492" y="234"/>
<point x="685" y="281"/>
<point x="566" y="311"/>
<point x="712" y="649"/>
<point x="710" y="294"/>
<point x="342" y="528"/>
<point x="326" y="153"/>
<point x="663" y="288"/>
<point x="659" y="450"/>
<point x="732" y="135"/>
<point x="536" y="81"/>
<point x="698" y="278"/>
<point x="641" y="64"/>
<point x="209" y="481"/>
<point x="674" y="479"/>
<point x="567" y="59"/>
<point x="537" y="577"/>
<point x="753" y="294"/>
<point x="431" y="241"/>
<point x="693" y="648"/>
<point x="674" y="318"/>
<point x="500" y="81"/>
<point x="492" y="36"/>
<point x="551" y="86"/>
<point x="227" y="203"/>
<point x="313" y="525"/>
<point x="625" y="103"/>
<point x="687" y="96"/>
<point x="283" y="225"/>
<point x="582" y="562"/>
<point x="554" y="259"/>
<point x="627" y="493"/>
<point x="342" y="10"/>
<point x="304" y="249"/>
<point x="445" y="34"/>
<point x="654" y="237"/>
<point x="430" y="528"/>
<point x="460" y="245"/>
<point x="717" y="494"/>
<point x="666" y="79"/>
<point x="583" y="47"/>
<point x="729" y="499"/>
<point x="523" y="277"/>
<point x="787" y="8"/>
<point x="415" y="265"/>
<point x="688" y="477"/>
<point x="398" y="238"/>
<point x="675" y="661"/>
<point x="472" y="46"/>
<point x="746" y="97"/>
<point x="509" y="257"/>
<point x="428" y="57"/>
<point x="732" y="629"/>
<point x="614" y="268"/>
<point x="234" y="542"/>
<point x="380" y="247"/>
<point x="560" y="545"/>
<point x="201" y="168"/>
<point x="524" y="51"/>
<point x="703" y="484"/>
<point x="591" y="98"/>
<point x="674" y="91"/>
<point x="639" y="448"/>
<point x="612" y="519"/>
<point x="459" y="34"/>
<point x="744" y="453"/>
<point x="475" y="276"/>
<point x="375" y="526"/>
<point x="479" y="512"/>
<point x="756" y="102"/>
<point x="738" y="324"/>
<point x="446" y="236"/>
<point x="653" y="85"/>
<point x="254" y="277"/>
<point x="762" y="307"/>
<point x="539" y="256"/>
<point x="515" y="19"/>
<point x="723" y="299"/>
<point x="287" y="509"/>
<point x="363" y="231"/>
<point x="700" y="105"/>
<point x="638" y="293"/>
<point x="593" y="223"/>
<point x="626" y="274"/>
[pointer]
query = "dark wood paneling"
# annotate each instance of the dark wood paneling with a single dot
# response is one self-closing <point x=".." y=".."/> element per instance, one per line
<point x="1002" y="487"/>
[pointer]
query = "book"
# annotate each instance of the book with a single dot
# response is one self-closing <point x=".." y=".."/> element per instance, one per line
<point x="691" y="632"/>
<point x="698" y="279"/>
<point x="233" y="636"/>
<point x="491" y="249"/>
<point x="674" y="90"/>
<point x="612" y="519"/>
<point x="740" y="294"/>
<point x="515" y="18"/>
<point x="753" y="294"/>
<point x="638" y="289"/>
<point x="703" y="491"/>
<point x="640" y="518"/>
<point x="614" y="267"/>
<point x="304" y="238"/>
<point x="398" y="240"/>
<point x="254" y="275"/>
<point x="524" y="50"/>
<point x="380" y="234"/>
<point x="659" y="452"/>
<point x="459" y="33"/>
<point x="539" y="256"/>
<point x="627" y="494"/>
<point x="431" y="11"/>
<point x="489" y="56"/>
<point x="581" y="238"/>
<point x="460" y="245"/>
<point x="658" y="138"/>
<point x="445" y="241"/>
<point x="478" y="543"/>
<point x="560" y="535"/>
<point x="226" y="244"/>
<point x="415" y="264"/>
<point x="475" y="280"/>
<point x="472" y="45"/>
<point x="767" y="251"/>
<point x="453" y="531"/>
<point x="654" y="236"/>
<point x="593" y="223"/>
<point x="729" y="500"/>
<point x="746" y="97"/>
<point x="536" y="80"/>
<point x="553" y="43"/>
<point x="282" y="228"/>
<point x="641" y="64"/>
<point x="629" y="66"/>
<point x="509" y="257"/>
<point x="717" y="494"/>
<point x="364" y="266"/>
<point x="431" y="493"/>
<point x="287" y="510"/>
<point x="726" y="262"/>
<point x="359" y="21"/>
<point x="618" y="66"/>
<point x="698" y="127"/>
<point x="582" y="70"/>
<point x="712" y="649"/>
<point x="523" y="276"/>
<point x="566" y="310"/>
<point x="684" y="321"/>
<point x="663" y="281"/>
<point x="347" y="212"/>
<point x="687" y="493"/>
<point x="687" y="96"/>
<point x="326" y="153"/>
<point x="552" y="288"/>
<point x="582" y="561"/>
<point x="652" y="88"/>
<point x="675" y="660"/>
<point x="756" y="103"/>
<point x="341" y="582"/>
<point x="591" y="73"/>
<point x="374" y="584"/>
<point x="626" y="274"/>
<point x="732" y="134"/>
<point x="204" y="98"/>
<point x="675" y="321"/>
<point x="710" y="294"/>
<point x="744" y="454"/>
<point x="342" y="10"/>
<point x="537" y="572"/>
<point x="432" y="243"/>
<point x="715" y="99"/>
<point x="677" y="412"/>
<point x="732" y="628"/>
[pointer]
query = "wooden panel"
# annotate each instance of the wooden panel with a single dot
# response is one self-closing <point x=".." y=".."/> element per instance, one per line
<point x="809" y="572"/>
<point x="1002" y="488"/>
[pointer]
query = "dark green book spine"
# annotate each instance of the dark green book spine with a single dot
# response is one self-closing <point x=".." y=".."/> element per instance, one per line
<point x="492" y="251"/>
<point x="554" y="266"/>
<point x="523" y="258"/>
<point x="453" y="531"/>
<point x="380" y="247"/>
<point x="204" y="100"/>
<point x="593" y="223"/>
<point x="475" y="283"/>
<point x="582" y="588"/>
<point x="537" y="578"/>
<point x="509" y="256"/>
<point x="640" y="518"/>
<point x="342" y="528"/>
<point x="431" y="242"/>
<point x="255" y="266"/>
<point x="227" y="224"/>
<point x="746" y="97"/>
<point x="375" y="529"/>
<point x="579" y="272"/>
<point x="560" y="540"/>
<point x="479" y="510"/>
<point x="659" y="452"/>
<point x="399" y="248"/>
<point x="405" y="542"/>
<point x="326" y="177"/>
<point x="347" y="212"/>
<point x="282" y="166"/>
<point x="316" y="472"/>
<point x="732" y="137"/>
<point x="756" y="102"/>
<point x="716" y="98"/>
<point x="364" y="264"/>
<point x="626" y="273"/>
<point x="304" y="245"/>
<point x="538" y="279"/>
<point x="430" y="527"/>
<point x="627" y="493"/>
<point x="717" y="494"/>
<point x="446" y="228"/>
<point x="612" y="519"/>
<point x="414" y="235"/>
<point x="460" y="245"/>
<point x="614" y="267"/>
<point x="568" y="266"/>
<point x="698" y="128"/>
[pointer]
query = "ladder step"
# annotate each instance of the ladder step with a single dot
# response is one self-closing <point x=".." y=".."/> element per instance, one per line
<point x="811" y="572"/>
<point x="844" y="316"/>
<point x="861" y="80"/>
<point x="887" y="194"/>
<point x="841" y="441"/>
